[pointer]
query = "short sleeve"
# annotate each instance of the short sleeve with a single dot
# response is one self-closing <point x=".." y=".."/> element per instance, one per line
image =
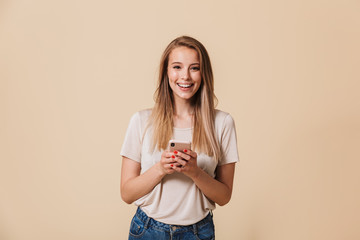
<point x="131" y="147"/>
<point x="228" y="142"/>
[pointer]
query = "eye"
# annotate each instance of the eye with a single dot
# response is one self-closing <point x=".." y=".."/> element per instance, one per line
<point x="176" y="67"/>
<point x="195" y="68"/>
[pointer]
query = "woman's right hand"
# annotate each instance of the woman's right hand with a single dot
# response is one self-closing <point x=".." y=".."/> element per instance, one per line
<point x="135" y="184"/>
<point x="167" y="162"/>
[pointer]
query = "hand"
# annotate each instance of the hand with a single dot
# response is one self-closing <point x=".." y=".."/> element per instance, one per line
<point x="187" y="163"/>
<point x="167" y="162"/>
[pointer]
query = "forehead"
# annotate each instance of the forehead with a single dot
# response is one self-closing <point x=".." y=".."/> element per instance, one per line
<point x="184" y="54"/>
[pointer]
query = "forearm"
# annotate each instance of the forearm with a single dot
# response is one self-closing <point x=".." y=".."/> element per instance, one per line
<point x="212" y="188"/>
<point x="138" y="186"/>
<point x="217" y="189"/>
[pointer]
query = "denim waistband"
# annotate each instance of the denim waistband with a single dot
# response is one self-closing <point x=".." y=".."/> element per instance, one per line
<point x="148" y="221"/>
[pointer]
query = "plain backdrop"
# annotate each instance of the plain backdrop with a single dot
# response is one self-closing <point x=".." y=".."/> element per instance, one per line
<point x="73" y="72"/>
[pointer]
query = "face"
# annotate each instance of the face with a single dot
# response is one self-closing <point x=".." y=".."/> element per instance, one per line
<point x="184" y="73"/>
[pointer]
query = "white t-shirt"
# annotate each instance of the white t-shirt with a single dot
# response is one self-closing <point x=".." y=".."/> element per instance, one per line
<point x="176" y="199"/>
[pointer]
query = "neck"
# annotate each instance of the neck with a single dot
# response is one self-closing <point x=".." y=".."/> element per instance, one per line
<point x="183" y="109"/>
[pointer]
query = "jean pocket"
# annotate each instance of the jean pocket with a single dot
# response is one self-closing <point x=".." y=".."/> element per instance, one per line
<point x="137" y="228"/>
<point x="206" y="231"/>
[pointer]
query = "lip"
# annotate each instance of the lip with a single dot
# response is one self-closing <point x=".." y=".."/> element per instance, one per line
<point x="184" y="84"/>
<point x="185" y="88"/>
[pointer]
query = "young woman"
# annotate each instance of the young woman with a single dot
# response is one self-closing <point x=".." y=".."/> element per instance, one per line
<point x="176" y="191"/>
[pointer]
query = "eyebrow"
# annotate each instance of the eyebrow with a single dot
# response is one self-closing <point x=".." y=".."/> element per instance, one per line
<point x="181" y="63"/>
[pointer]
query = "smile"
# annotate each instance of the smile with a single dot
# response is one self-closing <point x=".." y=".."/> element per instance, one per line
<point x="185" y="85"/>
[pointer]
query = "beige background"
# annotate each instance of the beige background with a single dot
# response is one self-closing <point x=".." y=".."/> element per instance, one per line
<point x="73" y="72"/>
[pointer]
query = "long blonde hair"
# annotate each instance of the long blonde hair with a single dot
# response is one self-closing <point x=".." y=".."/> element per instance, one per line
<point x="204" y="137"/>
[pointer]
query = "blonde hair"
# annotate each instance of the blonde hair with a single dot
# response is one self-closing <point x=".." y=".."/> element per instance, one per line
<point x="161" y="120"/>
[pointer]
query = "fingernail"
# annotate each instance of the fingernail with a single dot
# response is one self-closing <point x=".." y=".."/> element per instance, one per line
<point x="175" y="152"/>
<point x="173" y="156"/>
<point x="172" y="165"/>
<point x="185" y="150"/>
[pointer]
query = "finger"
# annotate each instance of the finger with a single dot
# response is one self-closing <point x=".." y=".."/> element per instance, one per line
<point x="191" y="153"/>
<point x="168" y="157"/>
<point x="179" y="168"/>
<point x="184" y="156"/>
<point x="168" y="162"/>
<point x="172" y="158"/>
<point x="181" y="161"/>
<point x="165" y="162"/>
<point x="168" y="154"/>
<point x="169" y="168"/>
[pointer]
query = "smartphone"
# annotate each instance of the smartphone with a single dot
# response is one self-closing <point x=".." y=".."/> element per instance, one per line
<point x="179" y="145"/>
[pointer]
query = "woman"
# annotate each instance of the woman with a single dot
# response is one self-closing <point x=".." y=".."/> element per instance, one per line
<point x="176" y="191"/>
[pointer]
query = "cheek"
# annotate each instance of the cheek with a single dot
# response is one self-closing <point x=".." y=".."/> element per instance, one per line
<point x="172" y="75"/>
<point x="196" y="77"/>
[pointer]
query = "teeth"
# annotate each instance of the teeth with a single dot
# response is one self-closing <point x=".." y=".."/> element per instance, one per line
<point x="184" y="85"/>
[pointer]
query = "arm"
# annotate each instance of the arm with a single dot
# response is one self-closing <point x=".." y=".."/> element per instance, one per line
<point x="135" y="185"/>
<point x="217" y="189"/>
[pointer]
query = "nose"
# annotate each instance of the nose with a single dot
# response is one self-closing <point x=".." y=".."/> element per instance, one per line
<point x="185" y="75"/>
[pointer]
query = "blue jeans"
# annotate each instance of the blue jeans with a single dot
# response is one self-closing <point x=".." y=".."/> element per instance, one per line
<point x="144" y="227"/>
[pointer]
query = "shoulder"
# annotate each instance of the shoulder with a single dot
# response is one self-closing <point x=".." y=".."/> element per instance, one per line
<point x="141" y="116"/>
<point x="223" y="119"/>
<point x="139" y="120"/>
<point x="226" y="132"/>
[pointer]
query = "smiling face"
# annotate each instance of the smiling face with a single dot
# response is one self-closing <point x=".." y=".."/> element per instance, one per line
<point x="184" y="73"/>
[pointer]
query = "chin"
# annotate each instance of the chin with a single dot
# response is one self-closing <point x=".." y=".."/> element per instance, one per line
<point x="185" y="97"/>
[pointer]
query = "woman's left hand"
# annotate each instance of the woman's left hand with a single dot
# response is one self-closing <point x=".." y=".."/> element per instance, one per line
<point x="217" y="189"/>
<point x="188" y="161"/>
